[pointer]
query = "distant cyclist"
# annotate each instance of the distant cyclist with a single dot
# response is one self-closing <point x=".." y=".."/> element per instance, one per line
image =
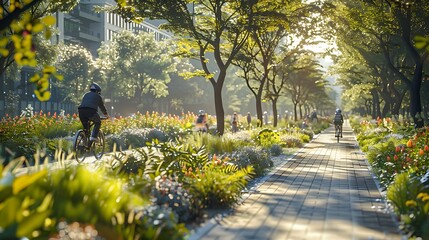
<point x="338" y="121"/>
<point x="201" y="123"/>
<point x="88" y="110"/>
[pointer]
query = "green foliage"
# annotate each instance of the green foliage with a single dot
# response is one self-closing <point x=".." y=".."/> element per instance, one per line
<point x="410" y="199"/>
<point x="151" y="222"/>
<point x="257" y="157"/>
<point x="291" y="141"/>
<point x="169" y="192"/>
<point x="213" y="143"/>
<point x="22" y="213"/>
<point x="400" y="156"/>
<point x="378" y="158"/>
<point x="267" y="137"/>
<point x="276" y="150"/>
<point x="75" y="63"/>
<point x="218" y="185"/>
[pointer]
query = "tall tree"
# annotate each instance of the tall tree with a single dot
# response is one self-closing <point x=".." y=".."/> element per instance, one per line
<point x="387" y="22"/>
<point x="306" y="78"/>
<point x="139" y="64"/>
<point x="75" y="64"/>
<point x="206" y="29"/>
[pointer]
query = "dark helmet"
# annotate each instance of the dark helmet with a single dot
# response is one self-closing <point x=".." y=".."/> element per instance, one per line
<point x="95" y="88"/>
<point x="338" y="110"/>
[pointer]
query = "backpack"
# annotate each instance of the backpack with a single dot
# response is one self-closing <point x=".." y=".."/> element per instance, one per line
<point x="338" y="118"/>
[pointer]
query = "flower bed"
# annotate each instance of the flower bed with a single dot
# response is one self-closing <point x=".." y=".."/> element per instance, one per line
<point x="170" y="178"/>
<point x="399" y="156"/>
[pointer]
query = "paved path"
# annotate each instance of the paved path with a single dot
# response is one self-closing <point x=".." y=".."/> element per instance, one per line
<point x="325" y="192"/>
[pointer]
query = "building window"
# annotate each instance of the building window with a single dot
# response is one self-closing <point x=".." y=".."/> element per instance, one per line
<point x="71" y="28"/>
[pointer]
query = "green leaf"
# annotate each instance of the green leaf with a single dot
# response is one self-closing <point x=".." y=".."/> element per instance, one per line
<point x="26" y="180"/>
<point x="31" y="223"/>
<point x="8" y="211"/>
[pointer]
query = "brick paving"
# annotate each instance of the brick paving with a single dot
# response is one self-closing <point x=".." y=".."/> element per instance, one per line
<point x="326" y="191"/>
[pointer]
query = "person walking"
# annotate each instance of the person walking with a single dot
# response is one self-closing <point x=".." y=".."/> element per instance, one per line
<point x="265" y="118"/>
<point x="249" y="120"/>
<point x="234" y="122"/>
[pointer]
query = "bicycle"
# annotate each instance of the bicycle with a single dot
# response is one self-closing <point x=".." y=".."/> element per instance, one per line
<point x="338" y="132"/>
<point x="82" y="145"/>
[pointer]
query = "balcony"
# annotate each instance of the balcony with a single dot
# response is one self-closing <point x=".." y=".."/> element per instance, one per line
<point x="88" y="34"/>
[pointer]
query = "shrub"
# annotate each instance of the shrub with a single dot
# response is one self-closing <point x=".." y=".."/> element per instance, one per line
<point x="410" y="198"/>
<point x="276" y="150"/>
<point x="151" y="222"/>
<point x="217" y="184"/>
<point x="63" y="194"/>
<point x="169" y="192"/>
<point x="257" y="157"/>
<point x="134" y="138"/>
<point x="267" y="137"/>
<point x="290" y="141"/>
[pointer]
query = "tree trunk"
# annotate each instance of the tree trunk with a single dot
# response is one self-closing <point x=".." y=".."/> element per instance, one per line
<point x="220" y="112"/>
<point x="259" y="110"/>
<point x="274" y="107"/>
<point x="375" y="104"/>
<point x="295" y="111"/>
<point x="415" y="101"/>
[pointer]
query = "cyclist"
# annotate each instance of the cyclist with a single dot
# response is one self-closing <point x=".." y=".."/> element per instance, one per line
<point x="338" y="121"/>
<point x="201" y="123"/>
<point x="88" y="110"/>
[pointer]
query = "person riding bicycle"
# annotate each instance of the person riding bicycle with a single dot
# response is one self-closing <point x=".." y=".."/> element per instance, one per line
<point x="201" y="123"/>
<point x="338" y="121"/>
<point x="88" y="110"/>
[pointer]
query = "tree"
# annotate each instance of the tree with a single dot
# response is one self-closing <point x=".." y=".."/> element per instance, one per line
<point x="305" y="79"/>
<point x="219" y="27"/>
<point x="395" y="25"/>
<point x="137" y="64"/>
<point x="75" y="64"/>
<point x="20" y="22"/>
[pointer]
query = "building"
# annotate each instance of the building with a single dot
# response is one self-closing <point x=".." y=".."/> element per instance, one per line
<point x="84" y="26"/>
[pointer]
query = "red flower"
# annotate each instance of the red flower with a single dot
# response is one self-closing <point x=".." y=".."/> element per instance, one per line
<point x="395" y="157"/>
<point x="397" y="149"/>
<point x="421" y="152"/>
<point x="426" y="148"/>
<point x="388" y="158"/>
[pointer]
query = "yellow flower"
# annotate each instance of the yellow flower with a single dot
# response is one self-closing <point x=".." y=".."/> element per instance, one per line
<point x="38" y="27"/>
<point x="48" y="20"/>
<point x="3" y="41"/>
<point x="4" y="52"/>
<point x="43" y="96"/>
<point x="423" y="196"/>
<point x="410" y="203"/>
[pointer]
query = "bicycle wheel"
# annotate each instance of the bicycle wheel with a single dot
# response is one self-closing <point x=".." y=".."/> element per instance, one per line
<point x="79" y="146"/>
<point x="98" y="147"/>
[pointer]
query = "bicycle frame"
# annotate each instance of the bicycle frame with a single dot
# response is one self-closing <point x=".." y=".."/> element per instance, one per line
<point x="338" y="132"/>
<point x="82" y="144"/>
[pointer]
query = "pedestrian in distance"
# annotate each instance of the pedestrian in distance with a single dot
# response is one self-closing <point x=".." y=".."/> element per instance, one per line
<point x="234" y="122"/>
<point x="249" y="120"/>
